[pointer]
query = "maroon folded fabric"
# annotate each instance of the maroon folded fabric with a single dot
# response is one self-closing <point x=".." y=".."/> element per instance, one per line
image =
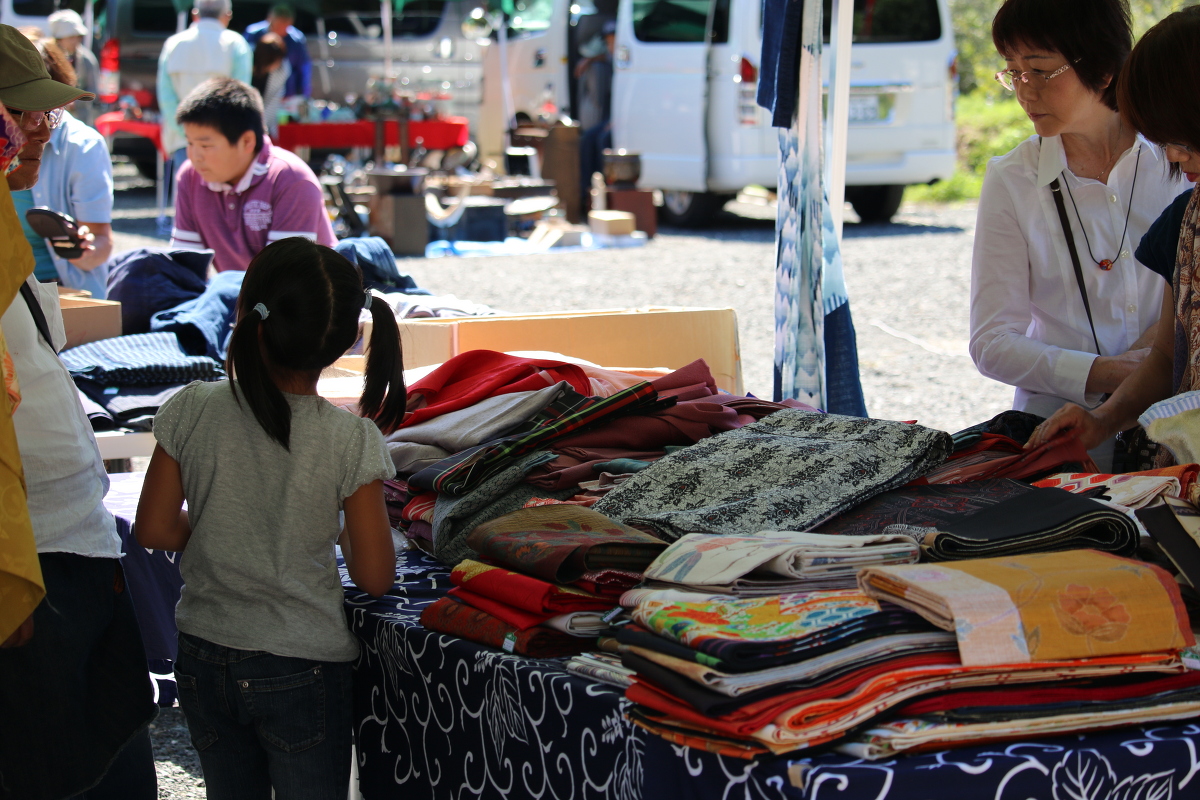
<point x="984" y="461"/>
<point x="447" y="615"/>
<point x="575" y="465"/>
<point x="1123" y="688"/>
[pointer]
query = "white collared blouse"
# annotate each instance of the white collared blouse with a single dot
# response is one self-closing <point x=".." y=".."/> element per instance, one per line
<point x="1029" y="328"/>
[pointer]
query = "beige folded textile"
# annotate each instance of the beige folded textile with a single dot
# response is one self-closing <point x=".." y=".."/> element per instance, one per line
<point x="1041" y="607"/>
<point x="774" y="562"/>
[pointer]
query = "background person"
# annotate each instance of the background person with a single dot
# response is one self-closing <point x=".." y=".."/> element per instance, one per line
<point x="595" y="74"/>
<point x="1163" y="68"/>
<point x="68" y="31"/>
<point x="75" y="179"/>
<point x="204" y="51"/>
<point x="238" y="192"/>
<point x="1029" y="326"/>
<point x="267" y="467"/>
<point x="279" y="22"/>
<point x="75" y="699"/>
<point x="270" y="76"/>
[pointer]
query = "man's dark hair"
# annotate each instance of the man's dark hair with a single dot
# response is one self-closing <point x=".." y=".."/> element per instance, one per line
<point x="229" y="106"/>
<point x="282" y="11"/>
<point x="1160" y="74"/>
<point x="1093" y="35"/>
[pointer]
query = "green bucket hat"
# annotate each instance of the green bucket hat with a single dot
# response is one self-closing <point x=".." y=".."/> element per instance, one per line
<point x="24" y="81"/>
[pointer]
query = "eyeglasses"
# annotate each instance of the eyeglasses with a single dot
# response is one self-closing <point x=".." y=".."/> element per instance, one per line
<point x="1183" y="148"/>
<point x="1008" y="77"/>
<point x="32" y="120"/>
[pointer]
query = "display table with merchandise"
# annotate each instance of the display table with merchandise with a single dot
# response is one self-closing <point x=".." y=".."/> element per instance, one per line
<point x="432" y="134"/>
<point x="444" y="717"/>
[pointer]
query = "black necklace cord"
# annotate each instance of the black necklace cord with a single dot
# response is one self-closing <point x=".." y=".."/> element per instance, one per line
<point x="1128" y="209"/>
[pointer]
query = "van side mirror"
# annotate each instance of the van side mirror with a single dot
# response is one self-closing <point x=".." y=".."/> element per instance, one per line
<point x="477" y="26"/>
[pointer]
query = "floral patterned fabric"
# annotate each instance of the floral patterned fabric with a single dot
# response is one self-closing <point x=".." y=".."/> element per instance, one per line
<point x="1185" y="286"/>
<point x="789" y="471"/>
<point x="764" y="619"/>
<point x="562" y="543"/>
<point x="1043" y="607"/>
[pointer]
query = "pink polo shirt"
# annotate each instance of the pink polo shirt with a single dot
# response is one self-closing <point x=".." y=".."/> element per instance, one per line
<point x="278" y="197"/>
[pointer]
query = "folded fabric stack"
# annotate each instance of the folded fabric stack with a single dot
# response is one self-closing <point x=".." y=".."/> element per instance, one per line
<point x="562" y="568"/>
<point x="124" y="380"/>
<point x="603" y="667"/>
<point x="774" y="562"/>
<point x="489" y="433"/>
<point x="773" y="674"/>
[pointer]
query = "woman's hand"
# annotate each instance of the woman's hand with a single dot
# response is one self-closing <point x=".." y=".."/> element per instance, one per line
<point x="1070" y="422"/>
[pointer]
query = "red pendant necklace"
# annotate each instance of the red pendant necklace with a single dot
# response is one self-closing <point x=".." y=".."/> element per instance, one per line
<point x="1107" y="263"/>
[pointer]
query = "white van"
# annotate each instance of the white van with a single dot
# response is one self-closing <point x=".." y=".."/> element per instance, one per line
<point x="686" y="76"/>
<point x="27" y="13"/>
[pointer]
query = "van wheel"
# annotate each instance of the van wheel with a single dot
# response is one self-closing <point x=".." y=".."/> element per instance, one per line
<point x="875" y="203"/>
<point x="689" y="209"/>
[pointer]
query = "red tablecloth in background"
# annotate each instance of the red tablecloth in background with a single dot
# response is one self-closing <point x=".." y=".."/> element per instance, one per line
<point x="438" y="134"/>
<point x="115" y="122"/>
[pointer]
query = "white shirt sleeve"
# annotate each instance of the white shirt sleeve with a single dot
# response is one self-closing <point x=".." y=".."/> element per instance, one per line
<point x="1001" y="306"/>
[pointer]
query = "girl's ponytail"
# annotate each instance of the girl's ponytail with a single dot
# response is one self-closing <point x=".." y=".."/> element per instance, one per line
<point x="248" y="371"/>
<point x="384" y="394"/>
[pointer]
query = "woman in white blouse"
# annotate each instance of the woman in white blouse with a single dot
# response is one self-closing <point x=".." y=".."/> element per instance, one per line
<point x="1030" y="327"/>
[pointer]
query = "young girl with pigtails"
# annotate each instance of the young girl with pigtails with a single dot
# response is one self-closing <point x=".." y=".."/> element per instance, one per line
<point x="273" y="475"/>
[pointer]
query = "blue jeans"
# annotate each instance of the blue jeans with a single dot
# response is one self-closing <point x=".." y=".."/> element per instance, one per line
<point x="261" y="721"/>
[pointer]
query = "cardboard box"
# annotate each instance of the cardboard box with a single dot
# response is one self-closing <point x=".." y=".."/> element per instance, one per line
<point x="631" y="337"/>
<point x="87" y="320"/>
<point x="613" y="223"/>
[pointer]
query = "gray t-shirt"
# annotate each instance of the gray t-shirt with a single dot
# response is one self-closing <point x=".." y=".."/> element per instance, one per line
<point x="259" y="570"/>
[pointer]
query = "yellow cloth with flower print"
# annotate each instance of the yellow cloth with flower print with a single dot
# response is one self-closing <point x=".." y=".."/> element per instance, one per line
<point x="1041" y="607"/>
<point x="21" y="587"/>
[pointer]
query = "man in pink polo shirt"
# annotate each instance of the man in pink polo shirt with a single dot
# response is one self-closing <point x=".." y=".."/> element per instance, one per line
<point x="237" y="191"/>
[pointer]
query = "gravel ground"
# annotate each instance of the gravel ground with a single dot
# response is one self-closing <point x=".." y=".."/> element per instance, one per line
<point x="908" y="283"/>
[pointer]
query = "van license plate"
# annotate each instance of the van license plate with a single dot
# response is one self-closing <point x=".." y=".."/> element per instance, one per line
<point x="864" y="108"/>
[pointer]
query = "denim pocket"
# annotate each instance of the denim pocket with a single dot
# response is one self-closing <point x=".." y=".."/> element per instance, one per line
<point x="203" y="734"/>
<point x="289" y="710"/>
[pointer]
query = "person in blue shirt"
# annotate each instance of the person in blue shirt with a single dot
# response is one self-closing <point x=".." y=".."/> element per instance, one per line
<point x="76" y="179"/>
<point x="279" y="21"/>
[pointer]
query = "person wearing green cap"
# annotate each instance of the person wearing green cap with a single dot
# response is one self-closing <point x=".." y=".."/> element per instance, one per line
<point x="75" y="692"/>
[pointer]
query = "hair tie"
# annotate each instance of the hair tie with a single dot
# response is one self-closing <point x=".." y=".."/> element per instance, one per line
<point x="367" y="302"/>
<point x="262" y="310"/>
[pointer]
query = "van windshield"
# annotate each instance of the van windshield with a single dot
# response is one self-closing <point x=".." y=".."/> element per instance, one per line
<point x="891" y="21"/>
<point x="524" y="16"/>
<point x="680" y="20"/>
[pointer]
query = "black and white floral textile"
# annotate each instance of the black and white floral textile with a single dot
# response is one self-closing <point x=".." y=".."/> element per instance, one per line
<point x="440" y="717"/>
<point x="789" y="471"/>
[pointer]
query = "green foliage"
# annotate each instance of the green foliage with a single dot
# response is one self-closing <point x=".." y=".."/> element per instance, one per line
<point x="977" y="58"/>
<point x="990" y="121"/>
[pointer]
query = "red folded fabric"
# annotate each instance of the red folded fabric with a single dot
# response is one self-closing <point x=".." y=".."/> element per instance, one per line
<point x="518" y="618"/>
<point x="1036" y="695"/>
<point x="983" y="461"/>
<point x="420" y="508"/>
<point x="447" y="615"/>
<point x="608" y="583"/>
<point x="523" y="591"/>
<point x="754" y="716"/>
<point x="478" y="374"/>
